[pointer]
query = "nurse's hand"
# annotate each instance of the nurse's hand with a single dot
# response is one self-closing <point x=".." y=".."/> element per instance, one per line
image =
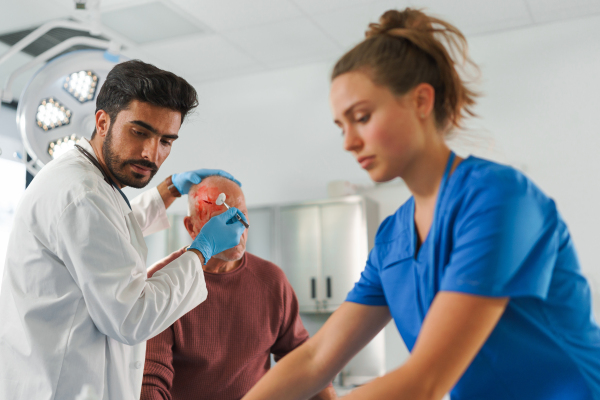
<point x="185" y="180"/>
<point x="167" y="260"/>
<point x="220" y="233"/>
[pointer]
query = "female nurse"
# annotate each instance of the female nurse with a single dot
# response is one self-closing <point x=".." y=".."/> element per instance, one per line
<point x="477" y="268"/>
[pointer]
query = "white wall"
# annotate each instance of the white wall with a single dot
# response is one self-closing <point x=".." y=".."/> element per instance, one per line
<point x="538" y="112"/>
<point x="274" y="132"/>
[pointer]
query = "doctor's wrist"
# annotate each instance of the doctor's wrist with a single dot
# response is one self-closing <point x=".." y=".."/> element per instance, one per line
<point x="168" y="192"/>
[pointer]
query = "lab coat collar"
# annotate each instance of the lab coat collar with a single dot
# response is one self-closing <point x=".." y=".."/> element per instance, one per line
<point x="88" y="146"/>
<point x="85" y="144"/>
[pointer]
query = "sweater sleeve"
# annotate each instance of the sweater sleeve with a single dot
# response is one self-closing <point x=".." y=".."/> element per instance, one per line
<point x="292" y="332"/>
<point x="158" y="370"/>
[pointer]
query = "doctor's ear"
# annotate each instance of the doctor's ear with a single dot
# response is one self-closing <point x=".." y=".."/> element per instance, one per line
<point x="189" y="226"/>
<point x="102" y="123"/>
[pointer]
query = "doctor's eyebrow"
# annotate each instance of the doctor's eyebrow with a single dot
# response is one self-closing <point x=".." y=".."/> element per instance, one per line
<point x="152" y="129"/>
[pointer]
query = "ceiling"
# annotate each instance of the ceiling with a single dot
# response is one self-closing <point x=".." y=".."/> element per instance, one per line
<point x="217" y="39"/>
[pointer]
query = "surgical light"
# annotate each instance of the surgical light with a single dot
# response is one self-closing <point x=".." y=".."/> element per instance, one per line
<point x="81" y="85"/>
<point x="50" y="120"/>
<point x="59" y="146"/>
<point x="51" y="114"/>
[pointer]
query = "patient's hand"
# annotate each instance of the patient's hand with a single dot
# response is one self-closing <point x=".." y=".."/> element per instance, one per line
<point x="160" y="264"/>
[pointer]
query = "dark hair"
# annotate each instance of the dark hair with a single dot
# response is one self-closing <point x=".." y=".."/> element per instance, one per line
<point x="137" y="80"/>
<point x="407" y="48"/>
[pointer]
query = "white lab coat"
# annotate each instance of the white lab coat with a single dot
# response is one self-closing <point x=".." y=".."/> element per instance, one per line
<point x="76" y="307"/>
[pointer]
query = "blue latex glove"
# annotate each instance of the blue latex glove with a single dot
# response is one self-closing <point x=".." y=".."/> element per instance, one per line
<point x="220" y="233"/>
<point x="184" y="181"/>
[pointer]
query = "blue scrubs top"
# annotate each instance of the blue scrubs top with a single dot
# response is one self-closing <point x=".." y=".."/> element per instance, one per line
<point x="497" y="235"/>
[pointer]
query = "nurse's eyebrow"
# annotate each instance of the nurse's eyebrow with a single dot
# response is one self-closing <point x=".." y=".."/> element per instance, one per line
<point x="349" y="110"/>
<point x="152" y="129"/>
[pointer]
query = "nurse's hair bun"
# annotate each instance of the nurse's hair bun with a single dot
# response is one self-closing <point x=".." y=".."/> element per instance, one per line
<point x="408" y="47"/>
<point x="392" y="19"/>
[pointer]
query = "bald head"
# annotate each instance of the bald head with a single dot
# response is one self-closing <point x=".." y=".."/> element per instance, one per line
<point x="204" y="194"/>
<point x="202" y="207"/>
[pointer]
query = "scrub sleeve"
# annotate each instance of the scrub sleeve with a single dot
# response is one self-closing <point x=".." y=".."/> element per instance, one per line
<point x="506" y="242"/>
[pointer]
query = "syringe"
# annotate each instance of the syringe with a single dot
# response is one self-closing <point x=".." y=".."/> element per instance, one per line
<point x="221" y="201"/>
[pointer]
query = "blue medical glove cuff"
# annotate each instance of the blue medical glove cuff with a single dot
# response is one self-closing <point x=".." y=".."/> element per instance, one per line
<point x="203" y="246"/>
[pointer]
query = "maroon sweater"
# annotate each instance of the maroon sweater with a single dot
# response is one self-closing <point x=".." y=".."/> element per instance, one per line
<point x="221" y="348"/>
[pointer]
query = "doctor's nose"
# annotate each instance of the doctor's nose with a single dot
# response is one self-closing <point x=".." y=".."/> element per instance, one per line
<point x="150" y="150"/>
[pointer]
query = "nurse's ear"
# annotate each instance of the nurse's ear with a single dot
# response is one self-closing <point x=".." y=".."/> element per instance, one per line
<point x="189" y="226"/>
<point x="423" y="99"/>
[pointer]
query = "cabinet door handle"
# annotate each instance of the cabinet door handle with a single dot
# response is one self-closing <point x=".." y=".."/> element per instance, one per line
<point x="328" y="287"/>
<point x="313" y="288"/>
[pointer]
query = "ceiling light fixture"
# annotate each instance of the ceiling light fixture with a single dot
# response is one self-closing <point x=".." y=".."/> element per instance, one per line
<point x="81" y="85"/>
<point x="50" y="120"/>
<point x="60" y="146"/>
<point x="51" y="114"/>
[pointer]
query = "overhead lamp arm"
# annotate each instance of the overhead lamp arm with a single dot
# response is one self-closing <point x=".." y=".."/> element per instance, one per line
<point x="39" y="32"/>
<point x="112" y="48"/>
<point x="93" y="27"/>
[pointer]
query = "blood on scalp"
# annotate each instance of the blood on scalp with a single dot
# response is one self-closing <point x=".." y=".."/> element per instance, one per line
<point x="205" y="199"/>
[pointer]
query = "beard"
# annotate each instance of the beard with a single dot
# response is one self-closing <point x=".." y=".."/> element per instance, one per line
<point x="230" y="254"/>
<point x="116" y="165"/>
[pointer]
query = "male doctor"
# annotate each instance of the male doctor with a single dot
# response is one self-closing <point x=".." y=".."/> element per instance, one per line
<point x="76" y="306"/>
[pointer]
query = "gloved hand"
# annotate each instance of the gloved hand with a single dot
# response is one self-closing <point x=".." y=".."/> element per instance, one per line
<point x="184" y="181"/>
<point x="220" y="233"/>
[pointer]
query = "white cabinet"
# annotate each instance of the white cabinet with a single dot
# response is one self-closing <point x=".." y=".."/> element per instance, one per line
<point x="300" y="234"/>
<point x="261" y="239"/>
<point x="324" y="246"/>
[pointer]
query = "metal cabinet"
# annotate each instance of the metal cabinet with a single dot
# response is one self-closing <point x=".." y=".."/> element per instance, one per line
<point x="324" y="246"/>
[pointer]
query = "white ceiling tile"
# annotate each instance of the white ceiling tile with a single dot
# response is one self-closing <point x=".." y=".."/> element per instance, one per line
<point x="24" y="14"/>
<point x="69" y="5"/>
<point x="196" y="55"/>
<point x="224" y="74"/>
<point x="113" y="4"/>
<point x="149" y="22"/>
<point x="136" y="53"/>
<point x="554" y="10"/>
<point x="314" y="58"/>
<point x="479" y="16"/>
<point x="237" y="14"/>
<point x="319" y="6"/>
<point x="347" y="26"/>
<point x="284" y="42"/>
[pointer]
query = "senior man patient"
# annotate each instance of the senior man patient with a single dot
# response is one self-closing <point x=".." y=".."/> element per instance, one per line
<point x="221" y="348"/>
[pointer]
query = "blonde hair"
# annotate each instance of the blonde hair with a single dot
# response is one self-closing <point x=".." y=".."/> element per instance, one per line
<point x="409" y="47"/>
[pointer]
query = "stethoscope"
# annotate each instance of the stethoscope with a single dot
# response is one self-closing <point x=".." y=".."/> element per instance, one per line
<point x="107" y="178"/>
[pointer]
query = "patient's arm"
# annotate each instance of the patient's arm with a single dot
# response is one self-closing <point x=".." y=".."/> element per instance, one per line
<point x="162" y="263"/>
